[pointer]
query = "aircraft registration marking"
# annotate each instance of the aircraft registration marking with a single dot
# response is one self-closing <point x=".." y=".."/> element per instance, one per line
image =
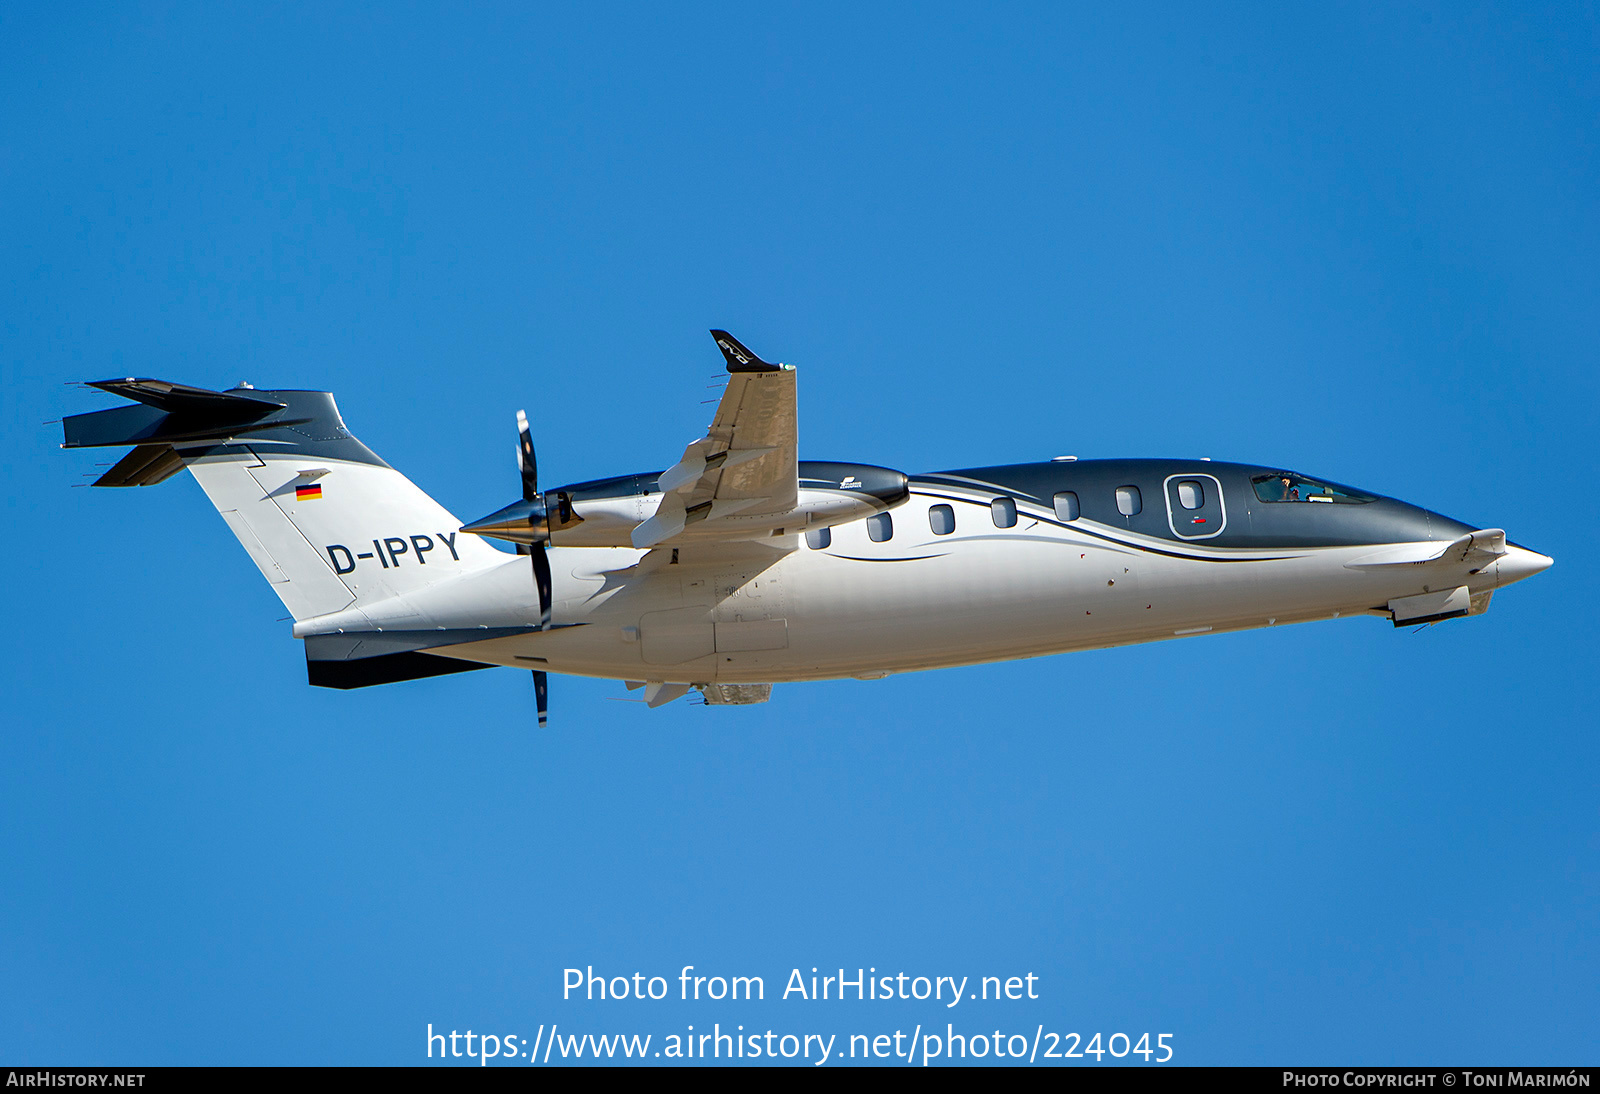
<point x="389" y="549"/>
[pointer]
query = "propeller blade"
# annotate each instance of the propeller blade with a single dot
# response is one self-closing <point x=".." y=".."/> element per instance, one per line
<point x="541" y="695"/>
<point x="526" y="462"/>
<point x="541" y="578"/>
<point x="528" y="466"/>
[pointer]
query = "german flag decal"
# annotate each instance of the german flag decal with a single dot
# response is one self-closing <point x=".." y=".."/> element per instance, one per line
<point x="308" y="493"/>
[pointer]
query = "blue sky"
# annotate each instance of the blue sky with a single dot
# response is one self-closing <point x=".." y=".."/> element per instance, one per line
<point x="1359" y="241"/>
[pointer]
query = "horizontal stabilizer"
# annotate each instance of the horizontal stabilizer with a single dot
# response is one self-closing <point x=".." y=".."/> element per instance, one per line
<point x="146" y="465"/>
<point x="181" y="398"/>
<point x="172" y="414"/>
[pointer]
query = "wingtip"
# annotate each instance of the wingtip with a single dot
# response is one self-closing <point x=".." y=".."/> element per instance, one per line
<point x="739" y="356"/>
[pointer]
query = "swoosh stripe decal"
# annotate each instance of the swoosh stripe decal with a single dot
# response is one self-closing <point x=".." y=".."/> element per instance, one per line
<point x="1083" y="529"/>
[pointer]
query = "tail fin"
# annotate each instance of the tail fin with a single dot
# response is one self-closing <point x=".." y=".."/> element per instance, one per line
<point x="327" y="522"/>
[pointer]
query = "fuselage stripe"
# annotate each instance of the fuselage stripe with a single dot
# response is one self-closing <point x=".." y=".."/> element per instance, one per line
<point x="1082" y="528"/>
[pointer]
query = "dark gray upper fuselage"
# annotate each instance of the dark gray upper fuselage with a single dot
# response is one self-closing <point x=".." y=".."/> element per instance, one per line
<point x="1245" y="518"/>
<point x="1250" y="521"/>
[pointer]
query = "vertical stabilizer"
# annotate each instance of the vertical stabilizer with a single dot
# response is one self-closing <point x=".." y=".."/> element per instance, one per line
<point x="328" y="523"/>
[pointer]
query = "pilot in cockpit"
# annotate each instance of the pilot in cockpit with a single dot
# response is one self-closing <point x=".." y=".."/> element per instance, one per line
<point x="1288" y="486"/>
<point x="1280" y="488"/>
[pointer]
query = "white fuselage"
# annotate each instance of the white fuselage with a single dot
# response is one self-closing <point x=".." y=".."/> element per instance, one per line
<point x="916" y="600"/>
<point x="892" y="573"/>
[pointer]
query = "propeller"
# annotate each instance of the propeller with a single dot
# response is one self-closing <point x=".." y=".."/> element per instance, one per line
<point x="528" y="523"/>
<point x="528" y="467"/>
<point x="541" y="696"/>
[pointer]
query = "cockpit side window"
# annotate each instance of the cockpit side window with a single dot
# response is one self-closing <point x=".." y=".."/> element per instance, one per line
<point x="1288" y="486"/>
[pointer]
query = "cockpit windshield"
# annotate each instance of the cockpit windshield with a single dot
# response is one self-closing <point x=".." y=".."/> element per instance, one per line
<point x="1287" y="486"/>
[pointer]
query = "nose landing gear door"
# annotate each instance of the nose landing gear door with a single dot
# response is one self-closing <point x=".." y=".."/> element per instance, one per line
<point x="1194" y="506"/>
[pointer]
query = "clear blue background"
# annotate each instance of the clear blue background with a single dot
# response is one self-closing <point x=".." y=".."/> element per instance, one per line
<point x="1359" y="241"/>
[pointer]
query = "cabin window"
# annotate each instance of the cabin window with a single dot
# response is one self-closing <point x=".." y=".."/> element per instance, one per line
<point x="818" y="539"/>
<point x="1129" y="503"/>
<point x="880" y="528"/>
<point x="1287" y="486"/>
<point x="1004" y="512"/>
<point x="942" y="519"/>
<point x="1066" y="505"/>
<point x="1191" y="495"/>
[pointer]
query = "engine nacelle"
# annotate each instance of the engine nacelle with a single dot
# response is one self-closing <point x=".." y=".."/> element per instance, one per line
<point x="604" y="512"/>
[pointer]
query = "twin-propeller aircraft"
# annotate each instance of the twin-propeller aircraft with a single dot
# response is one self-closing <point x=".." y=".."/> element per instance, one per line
<point x="741" y="566"/>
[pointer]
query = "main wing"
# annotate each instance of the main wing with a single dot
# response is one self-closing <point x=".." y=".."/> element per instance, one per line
<point x="736" y="486"/>
<point x="745" y="471"/>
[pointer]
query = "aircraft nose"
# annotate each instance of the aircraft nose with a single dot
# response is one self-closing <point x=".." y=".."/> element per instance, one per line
<point x="1519" y="562"/>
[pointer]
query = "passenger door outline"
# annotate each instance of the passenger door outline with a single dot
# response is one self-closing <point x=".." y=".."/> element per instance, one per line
<point x="1213" y="512"/>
